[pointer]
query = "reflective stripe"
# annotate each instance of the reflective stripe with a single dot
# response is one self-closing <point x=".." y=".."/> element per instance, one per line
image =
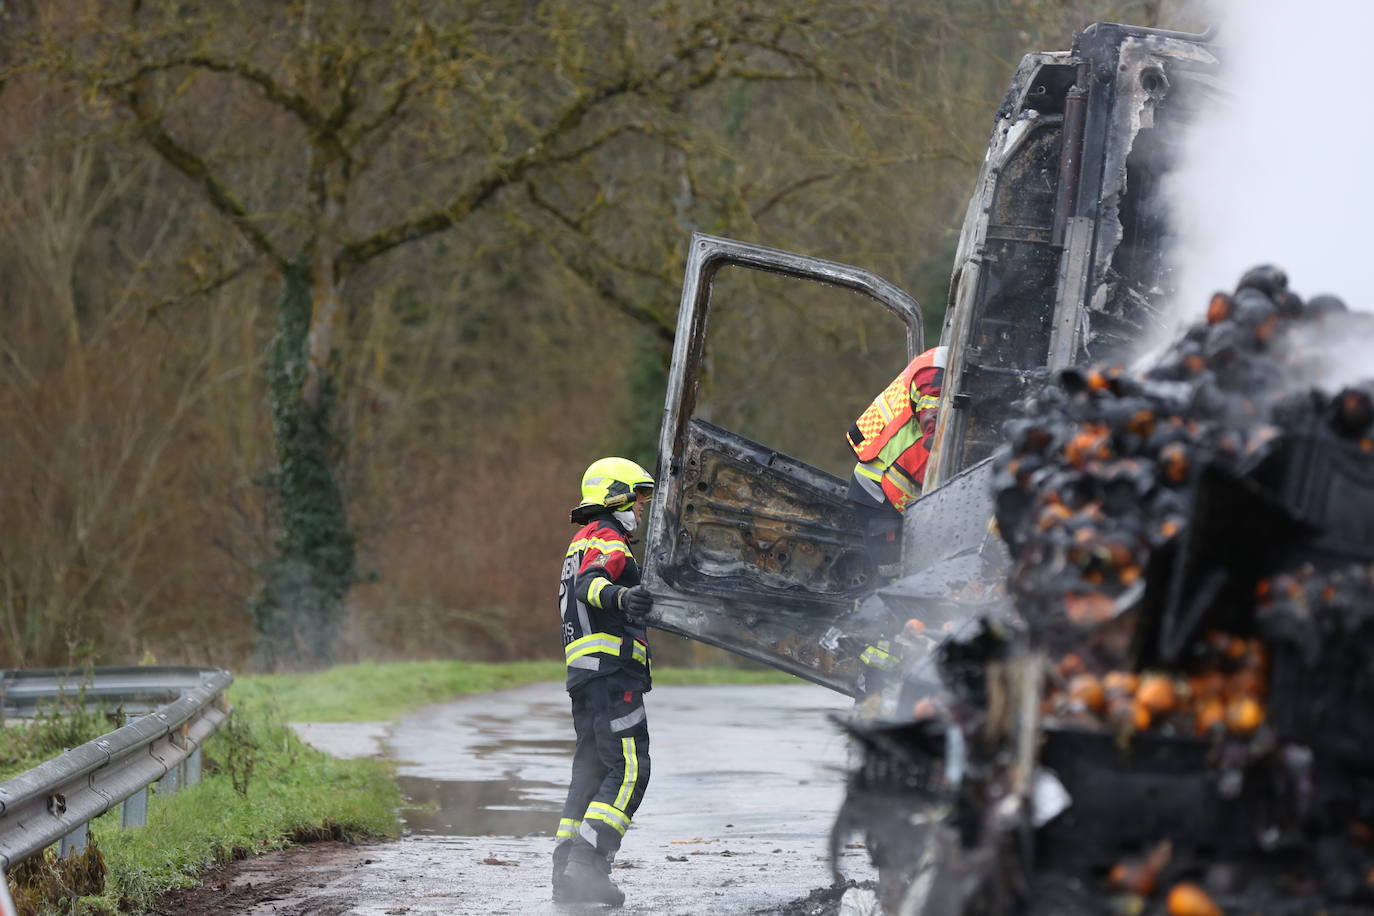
<point x="627" y="785"/>
<point x="898" y="443"/>
<point x="606" y="643"/>
<point x="583" y="617"/>
<point x="567" y="827"/>
<point x="884" y="408"/>
<point x="608" y="638"/>
<point x="601" y="545"/>
<point x="927" y="402"/>
<point x="629" y="720"/>
<point x="595" y="642"/>
<point x="590" y="662"/>
<point x="587" y="833"/>
<point x="874" y="488"/>
<point x="898" y="478"/>
<point x="595" y="589"/>
<point x="610" y="648"/>
<point x="879" y="657"/>
<point x="873" y="470"/>
<point x="618" y="820"/>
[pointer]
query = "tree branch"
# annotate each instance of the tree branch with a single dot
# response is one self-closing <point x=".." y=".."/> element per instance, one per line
<point x="575" y="225"/>
<point x="194" y="168"/>
<point x="324" y="130"/>
<point x="295" y="104"/>
<point x="513" y="169"/>
<point x="601" y="282"/>
<point x="205" y="287"/>
<point x="347" y="102"/>
<point x="791" y="188"/>
<point x="390" y="111"/>
<point x="502" y="175"/>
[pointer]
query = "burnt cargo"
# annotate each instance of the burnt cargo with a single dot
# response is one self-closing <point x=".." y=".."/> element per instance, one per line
<point x="1196" y="653"/>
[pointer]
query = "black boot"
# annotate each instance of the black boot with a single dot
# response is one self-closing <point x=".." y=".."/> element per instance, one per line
<point x="586" y="878"/>
<point x="560" y="862"/>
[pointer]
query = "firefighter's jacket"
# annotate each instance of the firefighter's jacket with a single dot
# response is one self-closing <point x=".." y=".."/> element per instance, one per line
<point x="892" y="437"/>
<point x="599" y="641"/>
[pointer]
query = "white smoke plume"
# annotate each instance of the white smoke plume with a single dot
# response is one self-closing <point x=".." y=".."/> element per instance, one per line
<point x="1283" y="171"/>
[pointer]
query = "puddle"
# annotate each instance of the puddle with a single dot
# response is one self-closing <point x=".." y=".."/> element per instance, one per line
<point x="501" y="769"/>
<point x="508" y="807"/>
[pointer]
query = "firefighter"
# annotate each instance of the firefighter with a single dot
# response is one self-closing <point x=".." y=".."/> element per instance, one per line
<point x="606" y="647"/>
<point x="892" y="437"/>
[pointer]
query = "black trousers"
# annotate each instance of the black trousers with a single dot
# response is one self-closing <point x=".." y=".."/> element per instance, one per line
<point x="610" y="767"/>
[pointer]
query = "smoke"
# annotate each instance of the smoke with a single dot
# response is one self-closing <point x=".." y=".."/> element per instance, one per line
<point x="1280" y="171"/>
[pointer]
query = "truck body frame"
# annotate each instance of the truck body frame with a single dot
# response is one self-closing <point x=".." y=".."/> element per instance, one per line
<point x="1058" y="260"/>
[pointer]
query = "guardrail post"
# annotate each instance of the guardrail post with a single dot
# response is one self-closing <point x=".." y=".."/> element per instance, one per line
<point x="134" y="811"/>
<point x="74" y="843"/>
<point x="170" y="781"/>
<point x="7" y="907"/>
<point x="193" y="768"/>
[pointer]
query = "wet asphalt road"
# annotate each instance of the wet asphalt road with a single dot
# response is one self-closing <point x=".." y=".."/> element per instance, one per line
<point x="745" y="784"/>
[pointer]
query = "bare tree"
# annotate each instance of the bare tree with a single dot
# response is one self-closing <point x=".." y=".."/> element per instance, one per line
<point x="458" y="207"/>
<point x="383" y="124"/>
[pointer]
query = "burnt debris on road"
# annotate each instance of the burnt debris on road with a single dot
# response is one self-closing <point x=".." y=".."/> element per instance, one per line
<point x="1180" y="716"/>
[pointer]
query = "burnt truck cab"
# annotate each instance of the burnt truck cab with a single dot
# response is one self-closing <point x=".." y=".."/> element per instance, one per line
<point x="1061" y="259"/>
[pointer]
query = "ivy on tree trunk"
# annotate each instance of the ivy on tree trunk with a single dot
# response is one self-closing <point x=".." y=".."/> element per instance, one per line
<point x="299" y="609"/>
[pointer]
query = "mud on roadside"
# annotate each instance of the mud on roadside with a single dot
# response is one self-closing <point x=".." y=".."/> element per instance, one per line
<point x="284" y="883"/>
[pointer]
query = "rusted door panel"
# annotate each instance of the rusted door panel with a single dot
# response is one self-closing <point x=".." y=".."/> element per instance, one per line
<point x="770" y="552"/>
<point x="759" y="523"/>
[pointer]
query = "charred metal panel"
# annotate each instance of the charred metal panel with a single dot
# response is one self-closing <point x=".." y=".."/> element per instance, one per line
<point x="1162" y="82"/>
<point x="1096" y="288"/>
<point x="1005" y="269"/>
<point x="1009" y="330"/>
<point x="950" y="521"/>
<point x="755" y="520"/>
<point x="778" y="635"/>
<point x="1143" y="86"/>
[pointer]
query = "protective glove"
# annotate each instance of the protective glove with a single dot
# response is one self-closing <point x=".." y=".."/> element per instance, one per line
<point x="636" y="602"/>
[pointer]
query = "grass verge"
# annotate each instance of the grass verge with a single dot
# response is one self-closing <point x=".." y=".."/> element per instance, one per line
<point x="265" y="789"/>
<point x="262" y="789"/>
<point x="371" y="692"/>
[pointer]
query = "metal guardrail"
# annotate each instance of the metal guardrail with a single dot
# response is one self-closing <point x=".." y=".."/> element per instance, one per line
<point x="54" y="801"/>
<point x="23" y="693"/>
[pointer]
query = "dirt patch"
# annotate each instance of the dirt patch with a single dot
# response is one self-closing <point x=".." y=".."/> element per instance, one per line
<point x="284" y="883"/>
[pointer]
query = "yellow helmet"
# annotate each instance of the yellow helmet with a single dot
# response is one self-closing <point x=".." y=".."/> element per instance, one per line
<point x="610" y="483"/>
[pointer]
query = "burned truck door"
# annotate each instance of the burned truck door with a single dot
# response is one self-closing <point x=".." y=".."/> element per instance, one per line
<point x="748" y="549"/>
